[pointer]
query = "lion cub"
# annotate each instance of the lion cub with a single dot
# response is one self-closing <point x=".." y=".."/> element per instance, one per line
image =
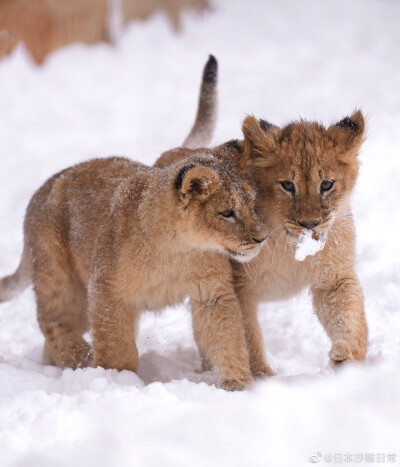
<point x="107" y="239"/>
<point x="305" y="174"/>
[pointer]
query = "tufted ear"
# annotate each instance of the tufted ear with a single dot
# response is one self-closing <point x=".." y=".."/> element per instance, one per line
<point x="196" y="182"/>
<point x="348" y="135"/>
<point x="260" y="140"/>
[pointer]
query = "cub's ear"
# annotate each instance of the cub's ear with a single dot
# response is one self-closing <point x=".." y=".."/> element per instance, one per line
<point x="196" y="182"/>
<point x="260" y="141"/>
<point x="348" y="135"/>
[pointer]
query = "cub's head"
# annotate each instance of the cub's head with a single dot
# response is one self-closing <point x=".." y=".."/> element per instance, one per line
<point x="305" y="172"/>
<point x="216" y="205"/>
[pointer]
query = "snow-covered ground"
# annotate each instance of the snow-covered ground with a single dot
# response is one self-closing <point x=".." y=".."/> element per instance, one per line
<point x="278" y="60"/>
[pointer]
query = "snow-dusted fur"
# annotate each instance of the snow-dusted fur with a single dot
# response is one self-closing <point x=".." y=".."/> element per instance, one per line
<point x="110" y="238"/>
<point x="200" y="136"/>
<point x="292" y="168"/>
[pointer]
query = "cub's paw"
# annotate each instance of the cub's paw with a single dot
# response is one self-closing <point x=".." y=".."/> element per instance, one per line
<point x="120" y="361"/>
<point x="236" y="384"/>
<point x="261" y="371"/>
<point x="340" y="353"/>
<point x="80" y="356"/>
<point x="74" y="354"/>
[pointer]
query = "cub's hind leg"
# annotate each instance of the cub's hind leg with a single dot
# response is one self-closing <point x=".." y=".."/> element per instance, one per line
<point x="61" y="305"/>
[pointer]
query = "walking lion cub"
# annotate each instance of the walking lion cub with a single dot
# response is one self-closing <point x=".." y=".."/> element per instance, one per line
<point x="305" y="174"/>
<point x="107" y="239"/>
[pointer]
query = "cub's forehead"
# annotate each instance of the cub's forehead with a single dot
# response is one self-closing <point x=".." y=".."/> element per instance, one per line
<point x="306" y="168"/>
<point x="306" y="147"/>
<point x="250" y="189"/>
<point x="243" y="190"/>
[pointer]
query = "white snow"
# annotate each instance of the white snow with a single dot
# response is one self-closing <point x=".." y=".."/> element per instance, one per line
<point x="307" y="245"/>
<point x="279" y="61"/>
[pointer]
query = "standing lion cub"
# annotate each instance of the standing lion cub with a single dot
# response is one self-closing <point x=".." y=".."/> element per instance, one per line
<point x="305" y="174"/>
<point x="107" y="239"/>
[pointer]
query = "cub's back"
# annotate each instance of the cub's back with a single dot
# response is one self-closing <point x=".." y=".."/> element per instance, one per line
<point x="73" y="204"/>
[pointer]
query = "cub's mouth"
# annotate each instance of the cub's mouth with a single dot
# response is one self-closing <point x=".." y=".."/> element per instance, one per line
<point x="295" y="231"/>
<point x="316" y="234"/>
<point x="321" y="226"/>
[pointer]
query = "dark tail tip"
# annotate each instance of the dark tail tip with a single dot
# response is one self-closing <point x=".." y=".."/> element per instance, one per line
<point x="210" y="70"/>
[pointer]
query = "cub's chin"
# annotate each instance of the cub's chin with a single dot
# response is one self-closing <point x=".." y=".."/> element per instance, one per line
<point x="242" y="257"/>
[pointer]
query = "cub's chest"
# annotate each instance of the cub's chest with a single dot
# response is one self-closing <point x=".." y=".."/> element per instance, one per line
<point x="278" y="276"/>
<point x="154" y="283"/>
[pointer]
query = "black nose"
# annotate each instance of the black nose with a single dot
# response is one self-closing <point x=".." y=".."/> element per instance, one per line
<point x="259" y="240"/>
<point x="309" y="224"/>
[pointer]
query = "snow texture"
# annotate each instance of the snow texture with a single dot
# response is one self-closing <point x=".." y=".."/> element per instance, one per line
<point x="307" y="245"/>
<point x="279" y="61"/>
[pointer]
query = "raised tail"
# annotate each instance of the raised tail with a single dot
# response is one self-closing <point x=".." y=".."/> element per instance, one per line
<point x="14" y="284"/>
<point x="202" y="131"/>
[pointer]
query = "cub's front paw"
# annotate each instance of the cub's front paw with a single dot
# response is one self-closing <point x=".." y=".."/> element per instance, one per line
<point x="340" y="353"/>
<point x="261" y="371"/>
<point x="118" y="361"/>
<point x="237" y="383"/>
<point x="233" y="385"/>
<point x="84" y="356"/>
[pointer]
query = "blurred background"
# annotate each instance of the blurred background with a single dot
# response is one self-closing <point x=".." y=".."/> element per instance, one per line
<point x="46" y="25"/>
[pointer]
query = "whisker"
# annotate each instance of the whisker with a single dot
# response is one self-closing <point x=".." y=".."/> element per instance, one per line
<point x="276" y="228"/>
<point x="270" y="234"/>
<point x="247" y="272"/>
<point x="252" y="265"/>
<point x="276" y="246"/>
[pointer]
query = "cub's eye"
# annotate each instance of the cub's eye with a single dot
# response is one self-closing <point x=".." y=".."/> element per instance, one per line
<point x="288" y="186"/>
<point x="327" y="185"/>
<point x="228" y="213"/>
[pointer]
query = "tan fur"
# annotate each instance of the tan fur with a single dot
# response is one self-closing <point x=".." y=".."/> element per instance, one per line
<point x="306" y="154"/>
<point x="110" y="238"/>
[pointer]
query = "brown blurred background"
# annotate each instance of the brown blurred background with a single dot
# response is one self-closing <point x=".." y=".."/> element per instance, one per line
<point x="45" y="25"/>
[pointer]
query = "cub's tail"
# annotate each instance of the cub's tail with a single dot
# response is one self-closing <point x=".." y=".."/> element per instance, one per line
<point x="14" y="284"/>
<point x="203" y="129"/>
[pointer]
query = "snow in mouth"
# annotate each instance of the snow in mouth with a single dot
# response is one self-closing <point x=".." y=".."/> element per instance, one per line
<point x="308" y="244"/>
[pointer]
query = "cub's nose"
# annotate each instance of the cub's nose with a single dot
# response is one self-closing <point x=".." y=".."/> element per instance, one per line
<point x="309" y="224"/>
<point x="259" y="240"/>
<point x="259" y="232"/>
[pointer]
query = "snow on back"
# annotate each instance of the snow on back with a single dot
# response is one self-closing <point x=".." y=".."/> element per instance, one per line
<point x="308" y="244"/>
